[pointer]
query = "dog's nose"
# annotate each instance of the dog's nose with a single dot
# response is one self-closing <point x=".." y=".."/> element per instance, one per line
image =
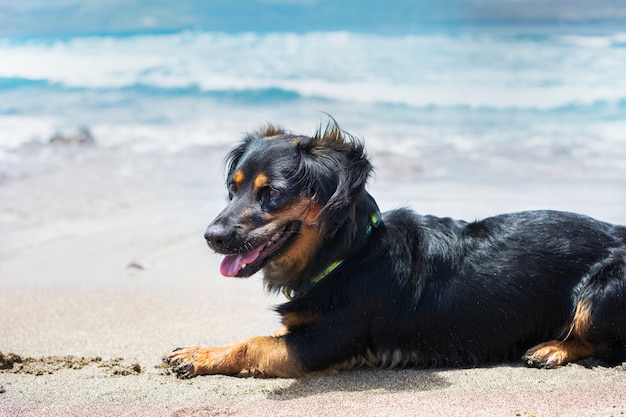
<point x="218" y="237"/>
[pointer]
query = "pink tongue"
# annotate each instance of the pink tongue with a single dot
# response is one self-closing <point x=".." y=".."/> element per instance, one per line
<point x="232" y="263"/>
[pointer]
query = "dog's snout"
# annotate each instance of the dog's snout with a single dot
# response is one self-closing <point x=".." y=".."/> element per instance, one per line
<point x="219" y="237"/>
<point x="215" y="236"/>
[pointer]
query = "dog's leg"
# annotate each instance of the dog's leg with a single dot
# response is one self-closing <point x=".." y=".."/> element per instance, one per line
<point x="266" y="356"/>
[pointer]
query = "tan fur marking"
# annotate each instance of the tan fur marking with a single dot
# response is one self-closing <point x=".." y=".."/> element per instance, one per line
<point x="264" y="356"/>
<point x="238" y="178"/>
<point x="582" y="320"/>
<point x="260" y="181"/>
<point x="556" y="353"/>
<point x="299" y="255"/>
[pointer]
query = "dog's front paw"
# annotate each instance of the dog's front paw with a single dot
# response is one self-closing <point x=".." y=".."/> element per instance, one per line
<point x="183" y="361"/>
<point x="546" y="355"/>
<point x="258" y="357"/>
<point x="555" y="353"/>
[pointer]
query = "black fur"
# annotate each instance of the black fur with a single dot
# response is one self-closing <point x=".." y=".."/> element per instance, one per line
<point x="422" y="290"/>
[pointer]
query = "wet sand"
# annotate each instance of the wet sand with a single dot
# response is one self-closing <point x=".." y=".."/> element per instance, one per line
<point x="103" y="268"/>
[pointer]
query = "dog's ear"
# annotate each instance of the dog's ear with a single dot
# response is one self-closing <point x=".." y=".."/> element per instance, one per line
<point x="338" y="168"/>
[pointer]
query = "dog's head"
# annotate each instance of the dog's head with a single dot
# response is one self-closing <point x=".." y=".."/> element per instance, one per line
<point x="289" y="194"/>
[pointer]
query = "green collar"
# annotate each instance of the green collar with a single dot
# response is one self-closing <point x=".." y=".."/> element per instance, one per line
<point x="291" y="294"/>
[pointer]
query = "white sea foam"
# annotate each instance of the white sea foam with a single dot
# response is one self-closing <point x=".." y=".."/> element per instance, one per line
<point x="435" y="70"/>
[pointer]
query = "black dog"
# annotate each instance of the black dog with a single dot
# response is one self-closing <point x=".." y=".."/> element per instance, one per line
<point x="401" y="289"/>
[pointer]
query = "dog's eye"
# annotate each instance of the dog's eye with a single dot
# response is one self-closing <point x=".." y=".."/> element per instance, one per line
<point x="270" y="195"/>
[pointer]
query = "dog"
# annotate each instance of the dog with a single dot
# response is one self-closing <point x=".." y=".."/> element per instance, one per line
<point x="400" y="289"/>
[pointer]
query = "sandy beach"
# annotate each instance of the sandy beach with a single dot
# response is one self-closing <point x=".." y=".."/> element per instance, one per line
<point x="103" y="268"/>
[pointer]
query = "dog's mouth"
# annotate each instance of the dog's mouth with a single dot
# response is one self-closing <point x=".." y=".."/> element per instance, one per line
<point x="247" y="263"/>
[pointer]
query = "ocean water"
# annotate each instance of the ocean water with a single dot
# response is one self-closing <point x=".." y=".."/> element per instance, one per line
<point x="511" y="96"/>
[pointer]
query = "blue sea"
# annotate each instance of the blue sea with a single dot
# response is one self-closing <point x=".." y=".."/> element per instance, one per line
<point x="494" y="91"/>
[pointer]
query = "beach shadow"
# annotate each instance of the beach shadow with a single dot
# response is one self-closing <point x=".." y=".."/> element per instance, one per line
<point x="388" y="381"/>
